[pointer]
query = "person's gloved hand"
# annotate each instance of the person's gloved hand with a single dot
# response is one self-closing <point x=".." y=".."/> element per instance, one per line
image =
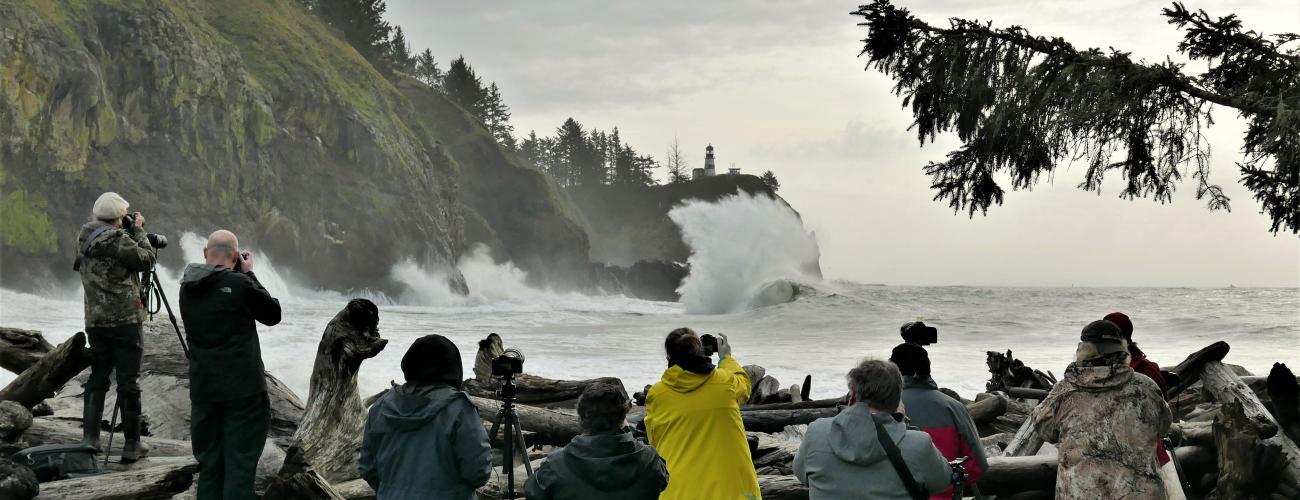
<point x="724" y="347"/>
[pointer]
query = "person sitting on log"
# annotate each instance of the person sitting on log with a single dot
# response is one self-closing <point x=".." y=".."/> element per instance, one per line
<point x="867" y="451"/>
<point x="1105" y="422"/>
<point x="946" y="420"/>
<point x="606" y="461"/>
<point x="230" y="414"/>
<point x="424" y="438"/>
<point x="488" y="349"/>
<point x="110" y="258"/>
<point x="693" y="419"/>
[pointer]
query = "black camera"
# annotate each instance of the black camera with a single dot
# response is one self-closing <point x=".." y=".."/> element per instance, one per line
<point x="508" y="364"/>
<point x="917" y="333"/>
<point x="155" y="240"/>
<point x="710" y="345"/>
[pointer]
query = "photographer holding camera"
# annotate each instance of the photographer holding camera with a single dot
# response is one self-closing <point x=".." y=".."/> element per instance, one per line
<point x="424" y="438"/>
<point x="112" y="250"/>
<point x="230" y="413"/>
<point x="693" y="419"/>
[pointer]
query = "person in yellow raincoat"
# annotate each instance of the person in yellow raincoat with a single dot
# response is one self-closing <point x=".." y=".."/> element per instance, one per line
<point x="693" y="419"/>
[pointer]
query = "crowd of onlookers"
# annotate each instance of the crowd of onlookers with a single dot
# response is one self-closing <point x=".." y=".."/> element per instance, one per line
<point x="894" y="439"/>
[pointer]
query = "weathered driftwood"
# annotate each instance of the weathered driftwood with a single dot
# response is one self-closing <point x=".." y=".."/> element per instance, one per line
<point x="17" y="482"/>
<point x="782" y="487"/>
<point x="987" y="410"/>
<point x="1006" y="371"/>
<point x="548" y="426"/>
<point x="1026" y="441"/>
<point x="535" y="390"/>
<point x="44" y="378"/>
<point x="1226" y="387"/>
<point x="331" y="429"/>
<point x="1027" y="393"/>
<point x="996" y="443"/>
<point x="165" y="391"/>
<point x="1189" y="371"/>
<point x="161" y="482"/>
<point x="14" y="419"/>
<point x="356" y="489"/>
<point x="1014" y="474"/>
<point x="773" y="456"/>
<point x="20" y="349"/>
<point x="1192" y="433"/>
<point x="1247" y="467"/>
<point x="1284" y="391"/>
<point x="776" y="420"/>
<point x="58" y="431"/>
<point x="800" y="405"/>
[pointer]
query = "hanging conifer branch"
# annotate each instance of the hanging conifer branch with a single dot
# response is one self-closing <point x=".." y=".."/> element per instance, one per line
<point x="1022" y="104"/>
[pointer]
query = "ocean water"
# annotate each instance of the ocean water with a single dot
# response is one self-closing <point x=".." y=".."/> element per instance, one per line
<point x="824" y="332"/>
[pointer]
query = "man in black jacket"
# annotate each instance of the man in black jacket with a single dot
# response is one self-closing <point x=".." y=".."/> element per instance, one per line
<point x="231" y="415"/>
<point x="605" y="461"/>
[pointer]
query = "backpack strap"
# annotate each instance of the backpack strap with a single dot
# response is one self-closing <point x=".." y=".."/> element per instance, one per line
<point x="896" y="458"/>
<point x="85" y="246"/>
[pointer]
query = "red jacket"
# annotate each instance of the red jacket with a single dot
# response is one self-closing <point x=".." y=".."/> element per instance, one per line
<point x="1139" y="363"/>
<point x="948" y="424"/>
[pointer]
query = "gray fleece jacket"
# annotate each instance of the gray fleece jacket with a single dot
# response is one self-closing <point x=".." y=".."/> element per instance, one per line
<point x="841" y="458"/>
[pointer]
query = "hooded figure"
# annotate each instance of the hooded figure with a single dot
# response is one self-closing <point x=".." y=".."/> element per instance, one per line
<point x="946" y="420"/>
<point x="842" y="457"/>
<point x="606" y="461"/>
<point x="1105" y="422"/>
<point x="424" y="439"/>
<point x="693" y="419"/>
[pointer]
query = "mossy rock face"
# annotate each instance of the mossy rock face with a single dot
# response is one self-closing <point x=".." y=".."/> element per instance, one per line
<point x="244" y="114"/>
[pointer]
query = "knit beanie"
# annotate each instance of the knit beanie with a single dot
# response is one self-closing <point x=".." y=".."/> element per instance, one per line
<point x="912" y="359"/>
<point x="1125" y="325"/>
<point x="109" y="207"/>
<point x="433" y="359"/>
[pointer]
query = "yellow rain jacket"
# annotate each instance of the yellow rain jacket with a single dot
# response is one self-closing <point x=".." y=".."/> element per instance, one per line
<point x="694" y="421"/>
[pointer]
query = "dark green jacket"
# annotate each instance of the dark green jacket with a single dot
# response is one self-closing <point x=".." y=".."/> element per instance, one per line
<point x="219" y="306"/>
<point x="110" y="274"/>
<point x="600" y="466"/>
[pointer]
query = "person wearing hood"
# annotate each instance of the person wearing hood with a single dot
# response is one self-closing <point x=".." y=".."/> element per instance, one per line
<point x="867" y="452"/>
<point x="110" y="258"/>
<point x="424" y="439"/>
<point x="945" y="419"/>
<point x="693" y="419"/>
<point x="221" y="301"/>
<point x="1105" y="422"/>
<point x="605" y="461"/>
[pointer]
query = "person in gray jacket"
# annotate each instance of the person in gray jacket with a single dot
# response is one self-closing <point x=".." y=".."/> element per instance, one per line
<point x="843" y="458"/>
<point x="424" y="439"/>
<point x="606" y="461"/>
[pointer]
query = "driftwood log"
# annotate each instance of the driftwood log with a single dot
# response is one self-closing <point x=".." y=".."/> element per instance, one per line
<point x="165" y="392"/>
<point x="1026" y="442"/>
<point x="331" y="429"/>
<point x="1226" y="387"/>
<point x="44" y="378"/>
<point x="1247" y="467"/>
<point x="297" y="480"/>
<point x="20" y="349"/>
<point x="776" y="420"/>
<point x="14" y="420"/>
<point x="17" y="482"/>
<point x="535" y="390"/>
<point x="800" y="405"/>
<point x="987" y="409"/>
<point x="59" y="431"/>
<point x="1189" y="371"/>
<point x="1006" y="371"/>
<point x="1284" y="391"/>
<point x="1027" y="393"/>
<point x="161" y="482"/>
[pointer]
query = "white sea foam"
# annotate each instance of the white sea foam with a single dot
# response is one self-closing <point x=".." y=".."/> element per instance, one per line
<point x="743" y="248"/>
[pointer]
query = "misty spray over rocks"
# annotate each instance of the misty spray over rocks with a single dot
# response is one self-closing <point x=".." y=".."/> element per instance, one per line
<point x="746" y="252"/>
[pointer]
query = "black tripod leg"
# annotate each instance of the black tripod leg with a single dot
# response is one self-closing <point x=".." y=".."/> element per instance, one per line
<point x="163" y="296"/>
<point x="523" y="448"/>
<point x="496" y="429"/>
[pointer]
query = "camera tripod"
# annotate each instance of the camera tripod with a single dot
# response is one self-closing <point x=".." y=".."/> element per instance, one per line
<point x="514" y="434"/>
<point x="152" y="296"/>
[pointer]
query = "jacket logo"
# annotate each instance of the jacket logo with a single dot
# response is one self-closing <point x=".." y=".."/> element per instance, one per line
<point x="225" y="289"/>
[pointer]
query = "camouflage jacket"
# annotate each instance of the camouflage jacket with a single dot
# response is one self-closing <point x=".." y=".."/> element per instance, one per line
<point x="1106" y="423"/>
<point x="110" y="275"/>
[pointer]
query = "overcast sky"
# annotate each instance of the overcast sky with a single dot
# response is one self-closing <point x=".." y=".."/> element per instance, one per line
<point x="777" y="85"/>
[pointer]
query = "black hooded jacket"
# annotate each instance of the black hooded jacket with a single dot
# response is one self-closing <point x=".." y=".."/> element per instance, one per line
<point x="600" y="466"/>
<point x="219" y="307"/>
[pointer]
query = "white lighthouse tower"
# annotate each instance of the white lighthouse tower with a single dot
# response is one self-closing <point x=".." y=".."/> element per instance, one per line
<point x="709" y="169"/>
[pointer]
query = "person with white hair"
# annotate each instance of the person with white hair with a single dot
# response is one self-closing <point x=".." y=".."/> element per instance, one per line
<point x="112" y="251"/>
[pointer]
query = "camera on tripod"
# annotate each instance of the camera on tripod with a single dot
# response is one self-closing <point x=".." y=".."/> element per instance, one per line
<point x="508" y="364"/>
<point x="155" y="240"/>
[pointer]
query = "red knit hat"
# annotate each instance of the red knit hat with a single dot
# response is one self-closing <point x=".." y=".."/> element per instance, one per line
<point x="1125" y="325"/>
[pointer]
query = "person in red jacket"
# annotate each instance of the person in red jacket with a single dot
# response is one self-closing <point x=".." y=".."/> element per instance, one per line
<point x="1139" y="362"/>
<point x="945" y="419"/>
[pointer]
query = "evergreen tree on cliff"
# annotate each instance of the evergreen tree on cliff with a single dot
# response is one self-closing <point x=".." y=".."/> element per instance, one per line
<point x="571" y="153"/>
<point x="1024" y="104"/>
<point x="361" y="22"/>
<point x="427" y="70"/>
<point x="399" y="51"/>
<point x="465" y="88"/>
<point x="769" y="180"/>
<point x="497" y="117"/>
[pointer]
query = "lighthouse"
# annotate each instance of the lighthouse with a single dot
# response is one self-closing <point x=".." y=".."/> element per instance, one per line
<point x="709" y="169"/>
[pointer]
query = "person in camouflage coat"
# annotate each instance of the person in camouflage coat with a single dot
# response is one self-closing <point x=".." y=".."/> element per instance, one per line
<point x="110" y="259"/>
<point x="1105" y="422"/>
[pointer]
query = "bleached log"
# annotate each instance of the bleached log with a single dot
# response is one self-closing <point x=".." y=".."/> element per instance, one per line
<point x="535" y="390"/>
<point x="44" y="378"/>
<point x="161" y="482"/>
<point x="1192" y="433"/>
<point x="20" y="349"/>
<point x="331" y="428"/>
<point x="1026" y="441"/>
<point x="799" y="405"/>
<point x="776" y="420"/>
<point x="1189" y="371"/>
<point x="1224" y="385"/>
<point x="57" y="431"/>
<point x="548" y="426"/>
<point x="356" y="489"/>
<point x="987" y="410"/>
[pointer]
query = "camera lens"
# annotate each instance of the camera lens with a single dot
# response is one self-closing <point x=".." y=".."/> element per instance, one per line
<point x="157" y="240"/>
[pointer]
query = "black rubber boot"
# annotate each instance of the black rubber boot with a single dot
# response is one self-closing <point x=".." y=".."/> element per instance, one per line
<point x="133" y="449"/>
<point x="92" y="413"/>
